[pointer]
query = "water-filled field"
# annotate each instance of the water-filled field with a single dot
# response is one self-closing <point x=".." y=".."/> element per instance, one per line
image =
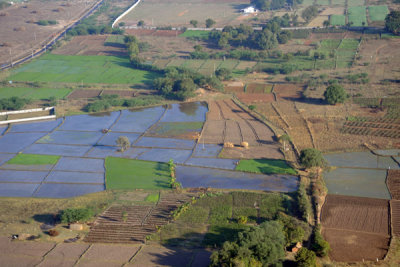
<point x="66" y="157"/>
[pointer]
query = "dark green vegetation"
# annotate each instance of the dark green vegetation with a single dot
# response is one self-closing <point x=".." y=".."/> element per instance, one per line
<point x="334" y="94"/>
<point x="223" y="216"/>
<point x="99" y="22"/>
<point x="13" y="103"/>
<point x="305" y="258"/>
<point x="131" y="174"/>
<point x="152" y="198"/>
<point x="265" y="166"/>
<point x="180" y="83"/>
<point x="47" y="22"/>
<point x="76" y="215"/>
<point x="33" y="159"/>
<point x="105" y="102"/>
<point x="82" y="69"/>
<point x="255" y="246"/>
<point x="309" y="13"/>
<point x="303" y="202"/>
<point x="273" y="4"/>
<point x="4" y="4"/>
<point x="312" y="157"/>
<point x="392" y="22"/>
<point x="319" y="245"/>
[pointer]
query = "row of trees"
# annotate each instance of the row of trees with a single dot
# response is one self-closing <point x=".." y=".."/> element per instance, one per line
<point x="246" y="36"/>
<point x="264" y="5"/>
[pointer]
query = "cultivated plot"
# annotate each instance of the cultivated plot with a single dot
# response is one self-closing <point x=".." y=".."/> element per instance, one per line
<point x="110" y="139"/>
<point x="165" y="143"/>
<point x="71" y="138"/>
<point x="164" y="155"/>
<point x="357" y="182"/>
<point x="92" y="122"/>
<point x="15" y="142"/>
<point x="186" y="112"/>
<point x="46" y="126"/>
<point x="50" y="190"/>
<point x="193" y="177"/>
<point x="360" y="160"/>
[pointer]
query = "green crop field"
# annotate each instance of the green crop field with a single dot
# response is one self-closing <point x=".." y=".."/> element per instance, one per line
<point x="307" y="2"/>
<point x="265" y="166"/>
<point x="355" y="2"/>
<point x="85" y="69"/>
<point x="190" y="33"/>
<point x="33" y="159"/>
<point x="357" y="16"/>
<point x="323" y="2"/>
<point x="349" y="44"/>
<point x="33" y="93"/>
<point x="378" y="13"/>
<point x="337" y="20"/>
<point x="136" y="174"/>
<point x="329" y="44"/>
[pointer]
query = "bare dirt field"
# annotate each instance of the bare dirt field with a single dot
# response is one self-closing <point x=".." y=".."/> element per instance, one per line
<point x="395" y="216"/>
<point x="77" y="94"/>
<point x="356" y="228"/>
<point x="90" y="45"/>
<point x="255" y="98"/>
<point x="179" y="13"/>
<point x="288" y="91"/>
<point x="353" y="246"/>
<point x="20" y="33"/>
<point x="227" y="122"/>
<point x="393" y="182"/>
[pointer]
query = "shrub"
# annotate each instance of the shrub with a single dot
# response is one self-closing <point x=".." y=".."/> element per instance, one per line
<point x="53" y="232"/>
<point x="123" y="142"/>
<point x="76" y="215"/>
<point x="320" y="245"/>
<point x="305" y="258"/>
<point x="13" y="103"/>
<point x="311" y="157"/>
<point x="334" y="94"/>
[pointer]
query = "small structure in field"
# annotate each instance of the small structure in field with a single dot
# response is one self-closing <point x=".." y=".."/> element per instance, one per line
<point x="249" y="10"/>
<point x="228" y="144"/>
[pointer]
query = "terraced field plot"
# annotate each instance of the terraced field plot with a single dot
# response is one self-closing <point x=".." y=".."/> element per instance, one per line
<point x="378" y="13"/>
<point x="337" y="20"/>
<point x="357" y="16"/>
<point x="34" y="93"/>
<point x="82" y="69"/>
<point x="356" y="228"/>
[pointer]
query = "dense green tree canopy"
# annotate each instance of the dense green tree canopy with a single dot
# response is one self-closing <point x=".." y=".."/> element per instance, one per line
<point x="392" y="22"/>
<point x="305" y="258"/>
<point x="309" y="13"/>
<point x="335" y="93"/>
<point x="258" y="246"/>
<point x="311" y="157"/>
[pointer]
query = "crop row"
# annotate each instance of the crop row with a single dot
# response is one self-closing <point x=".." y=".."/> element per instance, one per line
<point x="379" y="125"/>
<point x="370" y="131"/>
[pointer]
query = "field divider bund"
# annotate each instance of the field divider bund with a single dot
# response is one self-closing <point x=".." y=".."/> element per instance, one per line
<point x="198" y="139"/>
<point x="40" y="185"/>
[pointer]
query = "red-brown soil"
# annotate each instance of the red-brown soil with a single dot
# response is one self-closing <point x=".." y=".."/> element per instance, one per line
<point x="393" y="182"/>
<point x="90" y="45"/>
<point x="352" y="246"/>
<point x="132" y="224"/>
<point x="288" y="90"/>
<point x="255" y="98"/>
<point x="84" y="94"/>
<point x="227" y="122"/>
<point x="356" y="213"/>
<point x="356" y="228"/>
<point x="395" y="216"/>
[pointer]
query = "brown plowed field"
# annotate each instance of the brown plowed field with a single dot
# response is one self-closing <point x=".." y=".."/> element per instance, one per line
<point x="395" y="209"/>
<point x="288" y="90"/>
<point x="255" y="98"/>
<point x="227" y="122"/>
<point x="90" y="45"/>
<point x="121" y="93"/>
<point x="393" y="182"/>
<point x="131" y="224"/>
<point x="351" y="246"/>
<point x="356" y="228"/>
<point x="356" y="213"/>
<point x="77" y="94"/>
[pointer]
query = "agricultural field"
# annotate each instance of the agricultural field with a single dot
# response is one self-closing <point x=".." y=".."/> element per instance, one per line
<point x="179" y="13"/>
<point x="393" y="182"/>
<point x="357" y="16"/>
<point x="356" y="228"/>
<point x="377" y="13"/>
<point x="337" y="20"/>
<point x="82" y="69"/>
<point x="34" y="93"/>
<point x="23" y="35"/>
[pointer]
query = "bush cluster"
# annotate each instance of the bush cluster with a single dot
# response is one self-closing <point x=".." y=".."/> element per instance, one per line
<point x="76" y="215"/>
<point x="47" y="22"/>
<point x="13" y="103"/>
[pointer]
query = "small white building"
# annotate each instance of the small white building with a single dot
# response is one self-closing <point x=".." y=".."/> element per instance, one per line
<point x="249" y="10"/>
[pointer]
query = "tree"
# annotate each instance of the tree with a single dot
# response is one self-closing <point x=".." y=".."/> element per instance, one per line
<point x="262" y="245"/>
<point x="309" y="13"/>
<point x="334" y="94"/>
<point x="326" y="23"/>
<point x="305" y="258"/>
<point x="140" y="23"/>
<point x="209" y="23"/>
<point x="284" y="138"/>
<point x="194" y="23"/>
<point x="223" y="74"/>
<point x="311" y="157"/>
<point x="392" y="22"/>
<point x="319" y="244"/>
<point x="76" y="215"/>
<point x="123" y="142"/>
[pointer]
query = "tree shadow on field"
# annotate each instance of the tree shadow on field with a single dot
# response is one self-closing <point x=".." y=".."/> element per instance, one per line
<point x="47" y="218"/>
<point x="313" y="101"/>
<point x="176" y="256"/>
